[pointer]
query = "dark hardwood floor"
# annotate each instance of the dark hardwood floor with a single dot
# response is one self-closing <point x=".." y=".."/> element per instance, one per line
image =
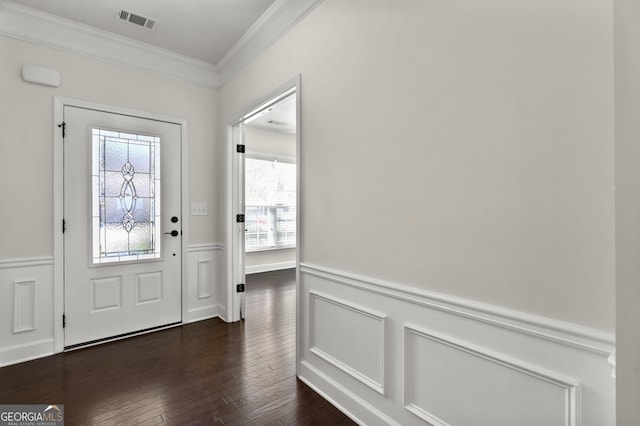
<point x="203" y="373"/>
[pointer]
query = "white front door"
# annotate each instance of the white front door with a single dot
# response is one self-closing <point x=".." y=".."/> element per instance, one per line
<point x="122" y="238"/>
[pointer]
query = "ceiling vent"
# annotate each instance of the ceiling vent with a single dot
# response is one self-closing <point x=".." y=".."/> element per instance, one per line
<point x="277" y="123"/>
<point x="136" y="19"/>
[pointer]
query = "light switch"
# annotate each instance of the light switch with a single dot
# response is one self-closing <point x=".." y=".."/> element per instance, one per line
<point x="199" y="209"/>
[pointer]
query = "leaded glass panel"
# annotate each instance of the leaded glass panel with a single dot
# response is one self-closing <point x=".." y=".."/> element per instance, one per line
<point x="126" y="202"/>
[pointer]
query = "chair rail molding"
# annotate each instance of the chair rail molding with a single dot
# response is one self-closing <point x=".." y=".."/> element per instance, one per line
<point x="584" y="338"/>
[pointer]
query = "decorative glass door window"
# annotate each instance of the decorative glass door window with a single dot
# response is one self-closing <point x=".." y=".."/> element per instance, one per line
<point x="126" y="196"/>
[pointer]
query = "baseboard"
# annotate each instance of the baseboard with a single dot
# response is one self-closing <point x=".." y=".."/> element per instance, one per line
<point x="256" y="269"/>
<point x="26" y="352"/>
<point x="340" y="397"/>
<point x="203" y="313"/>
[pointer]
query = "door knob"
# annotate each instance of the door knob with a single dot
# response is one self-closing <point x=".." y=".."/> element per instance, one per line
<point x="173" y="233"/>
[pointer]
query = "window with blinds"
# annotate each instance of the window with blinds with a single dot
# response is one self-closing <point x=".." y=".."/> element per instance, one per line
<point x="270" y="204"/>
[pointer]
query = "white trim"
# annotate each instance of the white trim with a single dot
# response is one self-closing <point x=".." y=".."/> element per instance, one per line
<point x="291" y="86"/>
<point x="32" y="25"/>
<point x="266" y="267"/>
<point x="577" y="336"/>
<point x="203" y="271"/>
<point x="59" y="103"/>
<point x="377" y="386"/>
<point x="279" y="18"/>
<point x="38" y="27"/>
<point x="19" y="303"/>
<point x="570" y="386"/>
<point x="26" y="352"/>
<point x="612" y="363"/>
<point x="203" y="313"/>
<point x="354" y="407"/>
<point x="194" y="248"/>
<point x="25" y="262"/>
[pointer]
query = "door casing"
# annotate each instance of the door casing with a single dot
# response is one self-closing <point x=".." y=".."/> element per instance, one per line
<point x="232" y="189"/>
<point x="59" y="103"/>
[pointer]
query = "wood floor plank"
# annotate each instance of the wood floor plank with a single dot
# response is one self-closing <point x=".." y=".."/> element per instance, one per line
<point x="205" y="373"/>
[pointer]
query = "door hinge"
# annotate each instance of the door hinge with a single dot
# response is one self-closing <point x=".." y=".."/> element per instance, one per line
<point x="240" y="288"/>
<point x="64" y="320"/>
<point x="239" y="218"/>
<point x="63" y="126"/>
<point x="239" y="148"/>
<point x="64" y="225"/>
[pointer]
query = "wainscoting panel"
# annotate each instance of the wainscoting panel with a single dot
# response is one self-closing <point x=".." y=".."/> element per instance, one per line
<point x="26" y="309"/>
<point x="205" y="286"/>
<point x="503" y="391"/>
<point x="445" y="360"/>
<point x="349" y="338"/>
<point x="204" y="279"/>
<point x="27" y="299"/>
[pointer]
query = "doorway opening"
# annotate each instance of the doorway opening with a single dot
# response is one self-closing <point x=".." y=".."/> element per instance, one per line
<point x="263" y="176"/>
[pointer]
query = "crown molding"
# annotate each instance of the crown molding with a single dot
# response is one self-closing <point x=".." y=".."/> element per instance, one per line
<point x="278" y="19"/>
<point x="31" y="25"/>
<point x="28" y="24"/>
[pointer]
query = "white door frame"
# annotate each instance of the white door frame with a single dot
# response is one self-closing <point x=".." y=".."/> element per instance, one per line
<point x="59" y="103"/>
<point x="232" y="237"/>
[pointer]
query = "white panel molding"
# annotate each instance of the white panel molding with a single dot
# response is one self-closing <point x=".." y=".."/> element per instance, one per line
<point x="612" y="363"/>
<point x="26" y="309"/>
<point x="205" y="279"/>
<point x="25" y="352"/>
<point x="346" y="401"/>
<point x="204" y="276"/>
<point x="373" y="383"/>
<point x="25" y="262"/>
<point x="194" y="248"/>
<point x="24" y="306"/>
<point x="573" y="335"/>
<point x="570" y="387"/>
<point x="279" y="18"/>
<point x="266" y="267"/>
<point x="28" y="24"/>
<point x="553" y="373"/>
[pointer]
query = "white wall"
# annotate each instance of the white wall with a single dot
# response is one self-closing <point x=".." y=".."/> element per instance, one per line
<point x="627" y="65"/>
<point x="267" y="142"/>
<point x="26" y="170"/>
<point x="455" y="148"/>
<point x="475" y="140"/>
<point x="27" y="120"/>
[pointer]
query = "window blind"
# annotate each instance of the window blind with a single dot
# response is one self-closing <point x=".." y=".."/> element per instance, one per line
<point x="270" y="204"/>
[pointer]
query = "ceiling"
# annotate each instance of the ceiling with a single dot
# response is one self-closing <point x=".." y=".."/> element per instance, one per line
<point x="280" y="117"/>
<point x="202" y="29"/>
